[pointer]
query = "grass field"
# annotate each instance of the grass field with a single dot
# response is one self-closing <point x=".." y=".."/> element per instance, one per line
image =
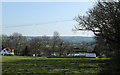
<point x="22" y="64"/>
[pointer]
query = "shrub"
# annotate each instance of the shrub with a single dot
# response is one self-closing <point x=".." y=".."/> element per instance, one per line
<point x="9" y="55"/>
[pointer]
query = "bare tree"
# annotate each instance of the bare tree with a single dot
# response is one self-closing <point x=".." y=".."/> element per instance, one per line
<point x="104" y="21"/>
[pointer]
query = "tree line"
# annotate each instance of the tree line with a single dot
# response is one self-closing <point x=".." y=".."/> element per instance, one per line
<point x="25" y="46"/>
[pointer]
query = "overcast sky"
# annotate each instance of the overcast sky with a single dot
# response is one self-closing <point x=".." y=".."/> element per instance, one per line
<point x="43" y="18"/>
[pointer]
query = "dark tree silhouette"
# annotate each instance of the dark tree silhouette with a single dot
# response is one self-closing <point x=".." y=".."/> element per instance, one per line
<point x="104" y="21"/>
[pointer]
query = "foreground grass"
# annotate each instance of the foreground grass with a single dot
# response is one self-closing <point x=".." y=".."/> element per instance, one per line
<point x="22" y="64"/>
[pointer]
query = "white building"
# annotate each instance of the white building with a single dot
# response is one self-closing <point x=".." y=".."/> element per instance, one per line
<point x="5" y="51"/>
<point x="84" y="55"/>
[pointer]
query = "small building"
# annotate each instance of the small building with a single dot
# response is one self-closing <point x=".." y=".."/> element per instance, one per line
<point x="44" y="54"/>
<point x="6" y="51"/>
<point x="87" y="55"/>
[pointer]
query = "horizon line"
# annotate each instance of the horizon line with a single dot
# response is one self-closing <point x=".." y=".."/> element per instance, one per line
<point x="59" y="35"/>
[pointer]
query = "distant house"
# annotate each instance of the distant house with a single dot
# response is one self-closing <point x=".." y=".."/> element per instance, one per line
<point x="44" y="54"/>
<point x="77" y="52"/>
<point x="6" y="51"/>
<point x="89" y="55"/>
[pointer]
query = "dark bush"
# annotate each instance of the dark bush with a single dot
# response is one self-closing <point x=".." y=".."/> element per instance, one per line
<point x="9" y="55"/>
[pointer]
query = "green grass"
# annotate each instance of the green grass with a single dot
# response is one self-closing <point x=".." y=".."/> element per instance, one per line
<point x="22" y="64"/>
